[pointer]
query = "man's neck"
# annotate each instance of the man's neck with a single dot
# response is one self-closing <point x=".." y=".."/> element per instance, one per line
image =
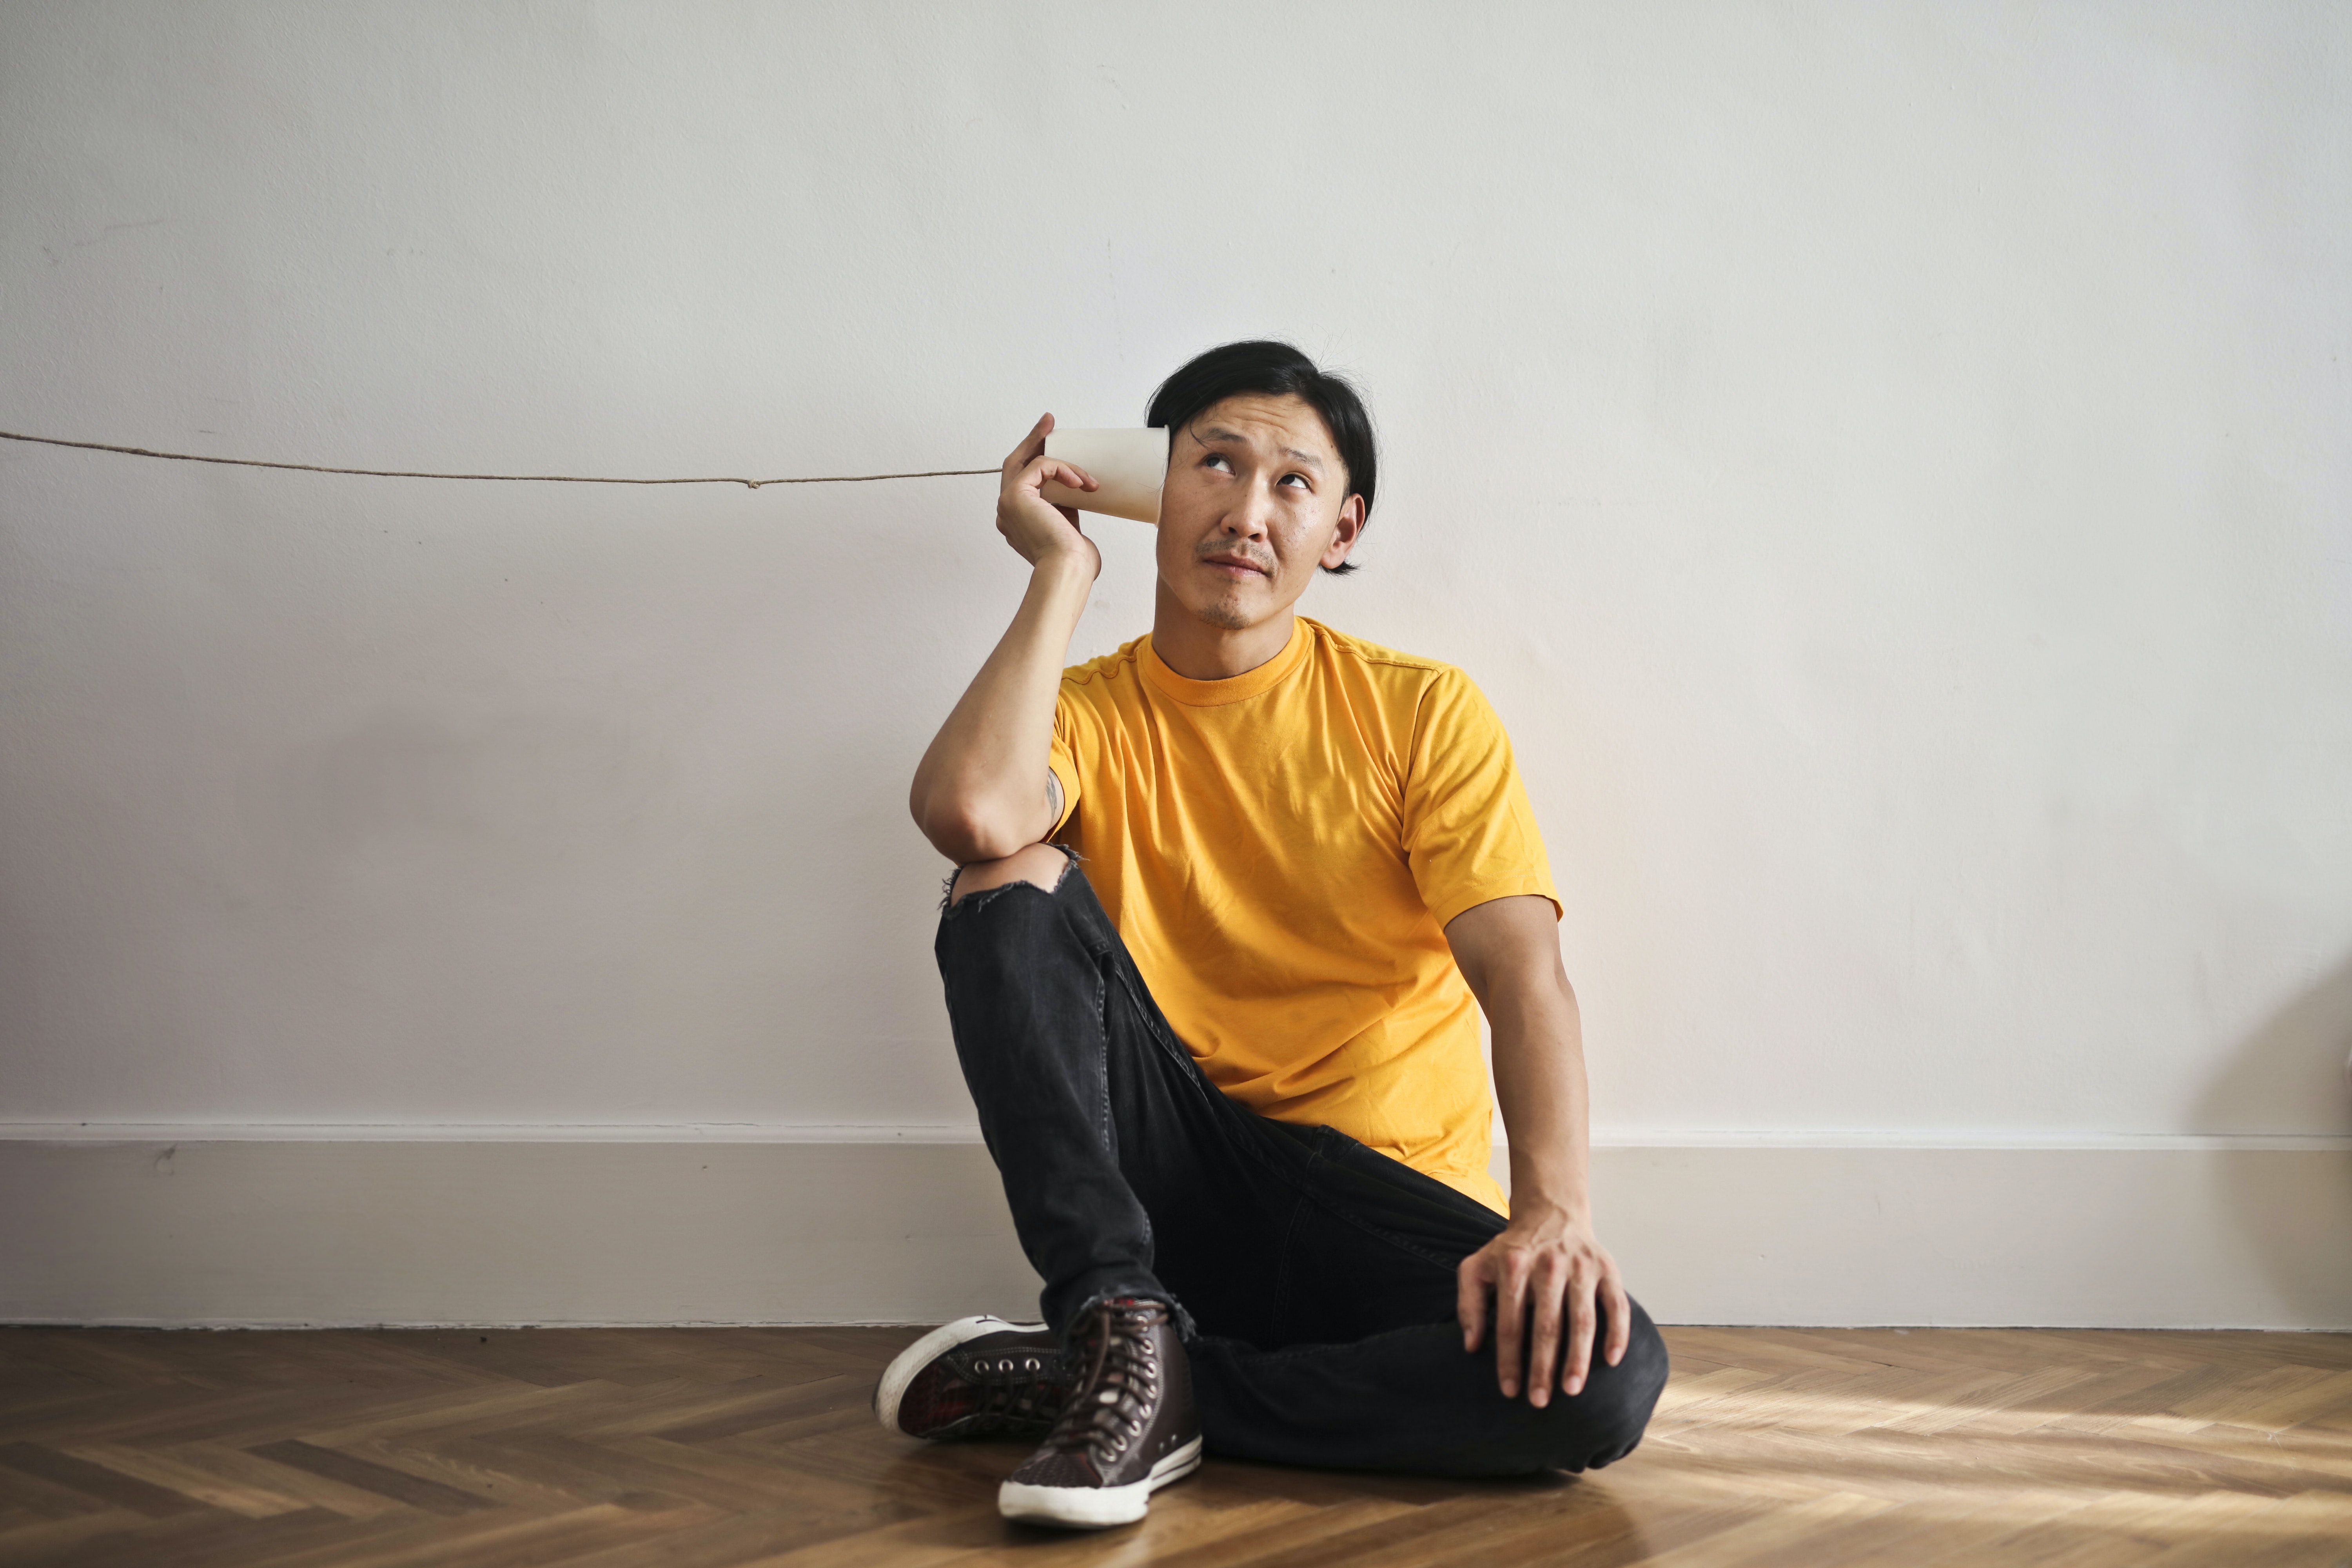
<point x="1199" y="651"/>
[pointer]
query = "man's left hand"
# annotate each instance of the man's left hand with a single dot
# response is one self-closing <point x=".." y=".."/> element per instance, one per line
<point x="1547" y="1272"/>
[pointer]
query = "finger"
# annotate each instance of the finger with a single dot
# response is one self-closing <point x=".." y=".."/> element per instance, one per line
<point x="1543" y="1351"/>
<point x="1470" y="1301"/>
<point x="1031" y="446"/>
<point x="1620" y="1315"/>
<point x="1579" y="1344"/>
<point x="1043" y="471"/>
<point x="1510" y="1324"/>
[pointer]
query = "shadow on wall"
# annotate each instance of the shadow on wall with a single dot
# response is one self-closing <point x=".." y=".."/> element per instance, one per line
<point x="2294" y="1074"/>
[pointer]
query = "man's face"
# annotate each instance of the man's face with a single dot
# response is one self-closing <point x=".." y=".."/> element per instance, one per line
<point x="1257" y="498"/>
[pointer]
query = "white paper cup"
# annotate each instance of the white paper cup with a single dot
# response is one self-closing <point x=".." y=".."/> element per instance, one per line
<point x="1129" y="464"/>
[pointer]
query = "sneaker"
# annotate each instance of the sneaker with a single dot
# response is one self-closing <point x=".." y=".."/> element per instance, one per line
<point x="1128" y="1429"/>
<point x="976" y="1377"/>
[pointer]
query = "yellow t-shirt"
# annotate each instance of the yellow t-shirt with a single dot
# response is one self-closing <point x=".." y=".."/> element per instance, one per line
<point x="1281" y="852"/>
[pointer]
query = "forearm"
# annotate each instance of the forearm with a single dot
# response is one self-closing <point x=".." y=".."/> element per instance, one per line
<point x="980" y="792"/>
<point x="1509" y="953"/>
<point x="1548" y="1272"/>
<point x="1539" y="1084"/>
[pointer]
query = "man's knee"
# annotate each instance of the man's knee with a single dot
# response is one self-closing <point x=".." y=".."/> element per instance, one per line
<point x="1039" y="864"/>
<point x="1617" y="1401"/>
<point x="1597" y="1425"/>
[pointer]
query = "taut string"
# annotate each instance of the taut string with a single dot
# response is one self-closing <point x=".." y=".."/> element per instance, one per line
<point x="521" y="478"/>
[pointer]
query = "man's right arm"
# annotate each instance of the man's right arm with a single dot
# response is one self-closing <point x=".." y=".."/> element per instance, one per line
<point x="982" y="790"/>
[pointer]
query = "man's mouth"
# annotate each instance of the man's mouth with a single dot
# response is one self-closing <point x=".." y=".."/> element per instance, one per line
<point x="1239" y="565"/>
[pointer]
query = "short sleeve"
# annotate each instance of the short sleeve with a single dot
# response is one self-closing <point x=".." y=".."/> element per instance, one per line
<point x="1470" y="835"/>
<point x="1063" y="759"/>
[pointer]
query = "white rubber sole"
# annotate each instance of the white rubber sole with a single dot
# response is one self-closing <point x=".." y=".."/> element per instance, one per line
<point x="1093" y="1508"/>
<point x="918" y="1356"/>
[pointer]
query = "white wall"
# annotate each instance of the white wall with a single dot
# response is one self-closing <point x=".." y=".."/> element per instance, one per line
<point x="1887" y="464"/>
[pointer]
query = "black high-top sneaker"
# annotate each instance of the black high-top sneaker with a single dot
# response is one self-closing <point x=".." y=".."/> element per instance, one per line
<point x="976" y="1377"/>
<point x="1129" y="1428"/>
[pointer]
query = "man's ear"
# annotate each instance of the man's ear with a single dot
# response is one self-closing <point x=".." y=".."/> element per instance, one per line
<point x="1352" y="528"/>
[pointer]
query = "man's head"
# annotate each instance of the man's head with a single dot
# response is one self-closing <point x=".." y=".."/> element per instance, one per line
<point x="1271" y="467"/>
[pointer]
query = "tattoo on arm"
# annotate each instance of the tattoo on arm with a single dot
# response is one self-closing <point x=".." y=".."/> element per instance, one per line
<point x="1054" y="795"/>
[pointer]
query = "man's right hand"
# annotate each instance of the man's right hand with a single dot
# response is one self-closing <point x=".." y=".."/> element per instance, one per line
<point x="1034" y="526"/>
<point x="980" y="791"/>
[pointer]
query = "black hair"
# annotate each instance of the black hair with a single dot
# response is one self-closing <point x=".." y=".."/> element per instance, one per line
<point x="1275" y="370"/>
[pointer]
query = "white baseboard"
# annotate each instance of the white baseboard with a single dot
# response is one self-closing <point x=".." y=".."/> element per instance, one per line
<point x="259" y="1225"/>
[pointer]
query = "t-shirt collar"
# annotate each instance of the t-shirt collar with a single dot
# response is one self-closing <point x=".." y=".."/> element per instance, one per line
<point x="1232" y="688"/>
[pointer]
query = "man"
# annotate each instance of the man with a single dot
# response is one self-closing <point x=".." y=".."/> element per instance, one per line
<point x="1224" y="900"/>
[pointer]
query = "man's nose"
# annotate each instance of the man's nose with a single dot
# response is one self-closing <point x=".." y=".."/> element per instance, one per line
<point x="1252" y="515"/>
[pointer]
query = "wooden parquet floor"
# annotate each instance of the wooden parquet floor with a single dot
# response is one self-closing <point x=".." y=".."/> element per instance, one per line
<point x="716" y="1448"/>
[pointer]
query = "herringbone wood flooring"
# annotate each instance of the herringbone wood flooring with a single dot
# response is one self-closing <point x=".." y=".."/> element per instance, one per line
<point x="698" y="1449"/>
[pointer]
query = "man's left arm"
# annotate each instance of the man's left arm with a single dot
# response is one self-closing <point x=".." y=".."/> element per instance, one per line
<point x="1547" y="1269"/>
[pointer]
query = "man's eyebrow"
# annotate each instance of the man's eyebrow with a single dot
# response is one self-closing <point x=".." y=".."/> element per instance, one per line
<point x="1219" y="433"/>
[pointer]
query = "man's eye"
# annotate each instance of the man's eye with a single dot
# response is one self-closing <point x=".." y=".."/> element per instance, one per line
<point x="1300" y="477"/>
<point x="1216" y="458"/>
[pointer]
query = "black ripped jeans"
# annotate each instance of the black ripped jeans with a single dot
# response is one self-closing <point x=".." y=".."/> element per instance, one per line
<point x="1314" y="1277"/>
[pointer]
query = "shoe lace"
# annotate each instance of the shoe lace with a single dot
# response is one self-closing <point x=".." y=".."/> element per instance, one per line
<point x="1016" y="1384"/>
<point x="1118" y="1388"/>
